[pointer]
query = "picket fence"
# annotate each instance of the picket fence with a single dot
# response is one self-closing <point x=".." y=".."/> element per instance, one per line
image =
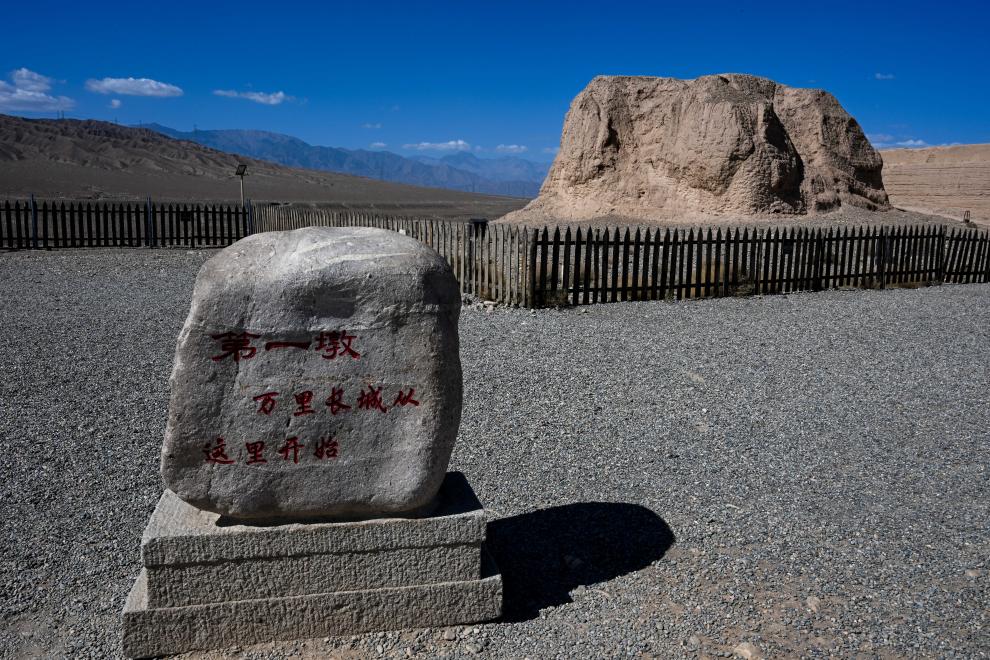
<point x="552" y="266"/>
<point x="608" y="266"/>
<point x="25" y="225"/>
<point x="574" y="266"/>
<point x="490" y="261"/>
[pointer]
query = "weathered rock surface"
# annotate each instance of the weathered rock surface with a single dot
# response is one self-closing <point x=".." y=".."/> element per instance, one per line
<point x="317" y="376"/>
<point x="651" y="148"/>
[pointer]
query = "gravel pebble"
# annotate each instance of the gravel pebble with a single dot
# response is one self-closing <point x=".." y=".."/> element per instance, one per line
<point x="804" y="475"/>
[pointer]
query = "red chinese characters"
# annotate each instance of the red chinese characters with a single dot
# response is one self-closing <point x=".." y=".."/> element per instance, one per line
<point x="404" y="399"/>
<point x="255" y="452"/>
<point x="236" y="345"/>
<point x="217" y="453"/>
<point x="371" y="399"/>
<point x="304" y="402"/>
<point x="336" y="344"/>
<point x="335" y="402"/>
<point x="291" y="446"/>
<point x="326" y="448"/>
<point x="330" y="344"/>
<point x="273" y="345"/>
<point x="266" y="402"/>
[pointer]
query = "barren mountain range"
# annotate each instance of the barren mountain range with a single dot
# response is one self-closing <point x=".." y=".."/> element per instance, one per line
<point x="462" y="171"/>
<point x="74" y="159"/>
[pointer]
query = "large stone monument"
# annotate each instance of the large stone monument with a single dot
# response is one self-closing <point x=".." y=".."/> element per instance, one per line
<point x="646" y="148"/>
<point x="315" y="402"/>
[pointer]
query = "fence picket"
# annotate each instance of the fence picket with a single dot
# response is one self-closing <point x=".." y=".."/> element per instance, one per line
<point x="807" y="259"/>
<point x="979" y="267"/>
<point x="566" y="265"/>
<point x="140" y="227"/>
<point x="8" y="220"/>
<point x="603" y="240"/>
<point x="634" y="283"/>
<point x="519" y="266"/>
<point x="576" y="296"/>
<point x="950" y="259"/>
<point x="589" y="247"/>
<point x="718" y="269"/>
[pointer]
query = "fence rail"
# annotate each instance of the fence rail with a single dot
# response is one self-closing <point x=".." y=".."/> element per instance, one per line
<point x="27" y="225"/>
<point x="490" y="261"/>
<point x="553" y="266"/>
<point x="537" y="268"/>
<point x="591" y="266"/>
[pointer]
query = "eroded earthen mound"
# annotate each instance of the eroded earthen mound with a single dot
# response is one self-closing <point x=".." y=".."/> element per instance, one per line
<point x="650" y="148"/>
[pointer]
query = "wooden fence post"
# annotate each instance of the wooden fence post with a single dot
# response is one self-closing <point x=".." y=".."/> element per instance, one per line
<point x="44" y="223"/>
<point x="819" y="259"/>
<point x="531" y="239"/>
<point x="34" y="223"/>
<point x="8" y="223"/>
<point x="940" y="247"/>
<point x="881" y="257"/>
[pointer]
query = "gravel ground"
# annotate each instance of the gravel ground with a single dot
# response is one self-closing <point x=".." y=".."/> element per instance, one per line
<point x="800" y="475"/>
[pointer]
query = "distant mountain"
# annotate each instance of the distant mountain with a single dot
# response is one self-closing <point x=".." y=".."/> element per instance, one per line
<point x="506" y="168"/>
<point x="455" y="172"/>
<point x="86" y="159"/>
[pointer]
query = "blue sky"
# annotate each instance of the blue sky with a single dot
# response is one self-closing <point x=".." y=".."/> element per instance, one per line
<point x="491" y="77"/>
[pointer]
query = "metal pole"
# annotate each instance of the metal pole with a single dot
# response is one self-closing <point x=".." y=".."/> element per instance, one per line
<point x="242" y="191"/>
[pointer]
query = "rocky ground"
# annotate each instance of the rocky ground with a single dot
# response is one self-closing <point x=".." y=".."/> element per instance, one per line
<point x="802" y="475"/>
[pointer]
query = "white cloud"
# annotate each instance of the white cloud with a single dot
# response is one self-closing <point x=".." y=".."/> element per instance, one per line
<point x="883" y="76"/>
<point x="452" y="145"/>
<point x="275" y="98"/>
<point x="551" y="150"/>
<point x="371" y="126"/>
<point x="29" y="93"/>
<point x="512" y="148"/>
<point x="132" y="87"/>
<point x="378" y="145"/>
<point x="115" y="103"/>
<point x="886" y="141"/>
<point x="905" y="144"/>
<point x="30" y="81"/>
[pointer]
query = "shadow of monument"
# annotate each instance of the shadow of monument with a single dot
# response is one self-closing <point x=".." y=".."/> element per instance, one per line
<point x="544" y="555"/>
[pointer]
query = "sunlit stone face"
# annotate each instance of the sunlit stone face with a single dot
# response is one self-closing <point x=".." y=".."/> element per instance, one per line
<point x="317" y="376"/>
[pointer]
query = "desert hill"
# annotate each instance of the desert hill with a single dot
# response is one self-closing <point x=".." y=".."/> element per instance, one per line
<point x="732" y="145"/>
<point x="73" y="159"/>
<point x="943" y="180"/>
<point x="496" y="176"/>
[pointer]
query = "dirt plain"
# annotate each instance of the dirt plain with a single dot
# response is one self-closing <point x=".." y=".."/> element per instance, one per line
<point x="946" y="181"/>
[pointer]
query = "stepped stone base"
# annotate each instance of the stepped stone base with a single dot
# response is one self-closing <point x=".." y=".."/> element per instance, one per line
<point x="209" y="583"/>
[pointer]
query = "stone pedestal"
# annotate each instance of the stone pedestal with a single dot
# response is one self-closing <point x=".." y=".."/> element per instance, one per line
<point x="208" y="583"/>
